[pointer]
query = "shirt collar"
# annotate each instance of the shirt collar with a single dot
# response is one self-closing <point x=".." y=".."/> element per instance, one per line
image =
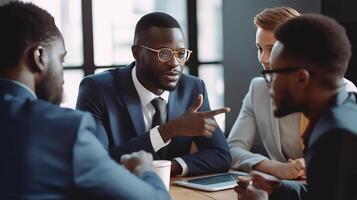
<point x="21" y="85"/>
<point x="145" y="95"/>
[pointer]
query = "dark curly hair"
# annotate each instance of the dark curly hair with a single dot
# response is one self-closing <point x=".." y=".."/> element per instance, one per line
<point x="319" y="42"/>
<point x="23" y="26"/>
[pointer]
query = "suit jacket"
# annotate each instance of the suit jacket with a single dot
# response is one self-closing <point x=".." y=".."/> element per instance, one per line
<point x="330" y="155"/>
<point x="112" y="99"/>
<point x="48" y="152"/>
<point x="257" y="133"/>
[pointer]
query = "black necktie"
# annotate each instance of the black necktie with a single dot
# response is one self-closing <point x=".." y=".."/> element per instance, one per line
<point x="158" y="119"/>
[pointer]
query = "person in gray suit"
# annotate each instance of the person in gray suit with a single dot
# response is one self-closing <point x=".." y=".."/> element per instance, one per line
<point x="259" y="140"/>
<point x="48" y="152"/>
<point x="308" y="63"/>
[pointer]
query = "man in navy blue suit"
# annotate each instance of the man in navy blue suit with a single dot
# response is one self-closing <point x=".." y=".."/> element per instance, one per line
<point x="308" y="63"/>
<point x="48" y="152"/>
<point x="152" y="105"/>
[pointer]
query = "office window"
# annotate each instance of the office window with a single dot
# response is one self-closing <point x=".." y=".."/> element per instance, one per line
<point x="114" y="23"/>
<point x="212" y="75"/>
<point x="210" y="52"/>
<point x="209" y="22"/>
<point x="72" y="79"/>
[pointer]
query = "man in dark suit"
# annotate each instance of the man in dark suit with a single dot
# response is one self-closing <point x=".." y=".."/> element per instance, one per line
<point x="48" y="152"/>
<point x="308" y="64"/>
<point x="152" y="105"/>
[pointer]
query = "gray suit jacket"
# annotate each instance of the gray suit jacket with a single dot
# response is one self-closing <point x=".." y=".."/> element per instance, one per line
<point x="48" y="152"/>
<point x="257" y="133"/>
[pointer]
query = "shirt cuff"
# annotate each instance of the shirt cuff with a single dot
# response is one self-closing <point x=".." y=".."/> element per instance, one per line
<point x="183" y="166"/>
<point x="156" y="139"/>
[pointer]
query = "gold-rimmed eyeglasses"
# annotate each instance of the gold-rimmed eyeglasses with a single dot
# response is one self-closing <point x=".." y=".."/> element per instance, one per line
<point x="165" y="54"/>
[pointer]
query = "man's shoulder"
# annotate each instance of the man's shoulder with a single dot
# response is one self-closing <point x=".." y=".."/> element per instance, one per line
<point x="345" y="115"/>
<point x="49" y="111"/>
<point x="109" y="75"/>
<point x="107" y="81"/>
<point x="258" y="83"/>
<point x="103" y="76"/>
<point x="259" y="92"/>
<point x="39" y="116"/>
<point x="339" y="119"/>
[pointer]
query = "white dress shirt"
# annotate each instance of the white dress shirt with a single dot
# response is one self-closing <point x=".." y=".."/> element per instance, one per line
<point x="148" y="113"/>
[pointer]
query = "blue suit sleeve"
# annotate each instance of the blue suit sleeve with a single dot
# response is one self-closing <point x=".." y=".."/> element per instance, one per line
<point x="96" y="172"/>
<point x="89" y="99"/>
<point x="137" y="143"/>
<point x="213" y="153"/>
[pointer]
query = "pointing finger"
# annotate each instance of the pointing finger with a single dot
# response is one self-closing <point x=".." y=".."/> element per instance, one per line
<point x="216" y="112"/>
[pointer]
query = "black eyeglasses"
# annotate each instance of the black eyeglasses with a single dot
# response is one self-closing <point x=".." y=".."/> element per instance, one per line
<point x="165" y="54"/>
<point x="268" y="74"/>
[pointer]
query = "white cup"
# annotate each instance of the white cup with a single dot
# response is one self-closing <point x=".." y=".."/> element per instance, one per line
<point x="162" y="169"/>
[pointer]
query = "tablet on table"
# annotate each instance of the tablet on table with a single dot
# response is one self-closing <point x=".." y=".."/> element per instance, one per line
<point x="212" y="182"/>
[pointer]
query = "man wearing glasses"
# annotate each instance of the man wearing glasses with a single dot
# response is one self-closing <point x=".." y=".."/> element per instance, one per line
<point x="308" y="63"/>
<point x="151" y="105"/>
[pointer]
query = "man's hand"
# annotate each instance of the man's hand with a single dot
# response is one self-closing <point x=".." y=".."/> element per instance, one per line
<point x="245" y="190"/>
<point x="293" y="169"/>
<point x="192" y="123"/>
<point x="176" y="168"/>
<point x="138" y="162"/>
<point x="265" y="182"/>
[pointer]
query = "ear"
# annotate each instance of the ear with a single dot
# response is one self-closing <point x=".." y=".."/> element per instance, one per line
<point x="136" y="52"/>
<point x="39" y="59"/>
<point x="303" y="78"/>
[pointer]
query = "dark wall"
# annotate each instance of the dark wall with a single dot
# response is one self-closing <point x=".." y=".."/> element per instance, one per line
<point x="344" y="11"/>
<point x="240" y="56"/>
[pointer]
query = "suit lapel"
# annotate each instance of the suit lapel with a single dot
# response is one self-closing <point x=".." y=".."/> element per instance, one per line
<point x="275" y="138"/>
<point x="130" y="97"/>
<point x="173" y="111"/>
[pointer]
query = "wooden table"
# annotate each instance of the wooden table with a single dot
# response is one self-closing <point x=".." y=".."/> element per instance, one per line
<point x="183" y="193"/>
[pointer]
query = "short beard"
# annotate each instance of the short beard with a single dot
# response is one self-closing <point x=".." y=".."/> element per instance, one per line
<point x="48" y="91"/>
<point x="158" y="84"/>
<point x="170" y="88"/>
<point x="286" y="108"/>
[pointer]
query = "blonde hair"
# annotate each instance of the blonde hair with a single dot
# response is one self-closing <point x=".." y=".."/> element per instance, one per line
<point x="271" y="18"/>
